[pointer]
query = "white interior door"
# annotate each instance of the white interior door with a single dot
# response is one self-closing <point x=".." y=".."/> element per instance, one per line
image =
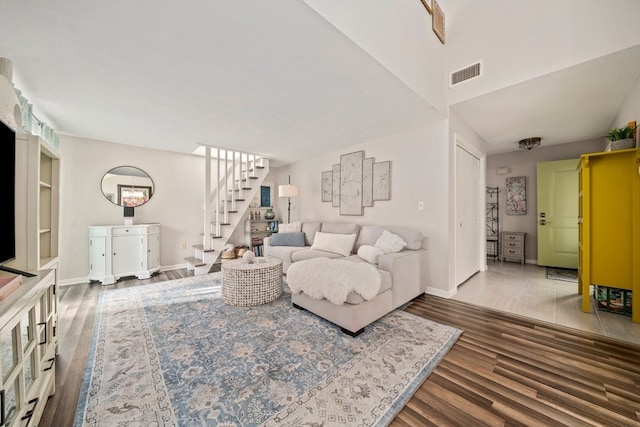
<point x="467" y="215"/>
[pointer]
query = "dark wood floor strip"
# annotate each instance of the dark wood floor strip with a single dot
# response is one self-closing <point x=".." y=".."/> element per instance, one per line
<point x="505" y="370"/>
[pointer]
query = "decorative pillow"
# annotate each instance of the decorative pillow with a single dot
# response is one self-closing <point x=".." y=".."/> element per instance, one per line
<point x="341" y="244"/>
<point x="287" y="239"/>
<point x="390" y="243"/>
<point x="370" y="253"/>
<point x="294" y="227"/>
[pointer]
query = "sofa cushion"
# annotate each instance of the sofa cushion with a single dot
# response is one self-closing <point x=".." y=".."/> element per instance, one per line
<point x="287" y="239"/>
<point x="370" y="253"/>
<point x="285" y="253"/>
<point x="390" y="243"/>
<point x="341" y="244"/>
<point x="369" y="234"/>
<point x="309" y="229"/>
<point x="340" y="228"/>
<point x="294" y="227"/>
<point x="304" y="254"/>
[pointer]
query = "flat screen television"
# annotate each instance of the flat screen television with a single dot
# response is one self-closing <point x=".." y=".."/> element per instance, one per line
<point x="8" y="186"/>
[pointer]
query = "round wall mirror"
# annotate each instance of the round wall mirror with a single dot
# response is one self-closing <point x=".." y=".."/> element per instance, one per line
<point x="127" y="186"/>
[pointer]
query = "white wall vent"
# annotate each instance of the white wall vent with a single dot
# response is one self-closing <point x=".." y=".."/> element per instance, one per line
<point x="464" y="74"/>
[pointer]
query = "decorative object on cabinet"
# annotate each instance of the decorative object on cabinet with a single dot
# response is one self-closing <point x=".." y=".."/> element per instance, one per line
<point x="529" y="143"/>
<point x="516" y="195"/>
<point x="437" y="20"/>
<point x="621" y="138"/>
<point x="288" y="191"/>
<point x="513" y="246"/>
<point x="609" y="225"/>
<point x="493" y="223"/>
<point x="117" y="251"/>
<point x="269" y="214"/>
<point x="357" y="182"/>
<point x="133" y="186"/>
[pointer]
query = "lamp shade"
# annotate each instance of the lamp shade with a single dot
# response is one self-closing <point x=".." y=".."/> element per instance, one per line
<point x="288" y="190"/>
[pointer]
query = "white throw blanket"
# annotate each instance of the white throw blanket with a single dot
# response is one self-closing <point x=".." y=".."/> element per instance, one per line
<point x="333" y="279"/>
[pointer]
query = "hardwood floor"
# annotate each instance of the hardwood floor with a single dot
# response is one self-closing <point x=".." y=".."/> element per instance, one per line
<point x="504" y="370"/>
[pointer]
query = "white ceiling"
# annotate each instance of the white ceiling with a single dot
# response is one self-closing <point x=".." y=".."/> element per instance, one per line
<point x="268" y="77"/>
<point x="575" y="104"/>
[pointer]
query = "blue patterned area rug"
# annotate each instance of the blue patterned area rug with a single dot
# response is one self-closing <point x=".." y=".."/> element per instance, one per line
<point x="171" y="353"/>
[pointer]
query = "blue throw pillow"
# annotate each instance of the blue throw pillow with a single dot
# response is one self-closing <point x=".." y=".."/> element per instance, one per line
<point x="287" y="239"/>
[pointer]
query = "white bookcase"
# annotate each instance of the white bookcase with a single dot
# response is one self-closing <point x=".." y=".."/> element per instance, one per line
<point x="29" y="315"/>
<point x="37" y="204"/>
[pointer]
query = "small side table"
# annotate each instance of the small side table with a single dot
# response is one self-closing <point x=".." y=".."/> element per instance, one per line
<point x="513" y="246"/>
<point x="245" y="284"/>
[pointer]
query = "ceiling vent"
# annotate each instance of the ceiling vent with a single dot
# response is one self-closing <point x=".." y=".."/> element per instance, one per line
<point x="467" y="73"/>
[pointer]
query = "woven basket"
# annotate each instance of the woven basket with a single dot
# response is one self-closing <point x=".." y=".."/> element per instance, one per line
<point x="228" y="254"/>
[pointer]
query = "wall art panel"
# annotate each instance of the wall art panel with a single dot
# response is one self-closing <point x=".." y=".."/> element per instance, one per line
<point x="335" y="186"/>
<point x="351" y="183"/>
<point x="382" y="181"/>
<point x="327" y="186"/>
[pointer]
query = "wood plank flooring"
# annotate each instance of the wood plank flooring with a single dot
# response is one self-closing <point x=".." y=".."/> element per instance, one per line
<point x="505" y="370"/>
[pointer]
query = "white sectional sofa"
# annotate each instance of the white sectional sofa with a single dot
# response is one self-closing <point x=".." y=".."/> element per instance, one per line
<point x="403" y="273"/>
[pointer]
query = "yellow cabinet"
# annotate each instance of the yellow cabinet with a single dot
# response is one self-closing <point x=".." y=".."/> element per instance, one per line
<point x="609" y="224"/>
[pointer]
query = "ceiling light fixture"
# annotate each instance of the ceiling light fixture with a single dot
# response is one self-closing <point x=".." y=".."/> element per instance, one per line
<point x="529" y="143"/>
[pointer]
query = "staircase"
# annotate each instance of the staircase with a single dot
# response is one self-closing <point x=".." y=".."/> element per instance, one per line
<point x="238" y="176"/>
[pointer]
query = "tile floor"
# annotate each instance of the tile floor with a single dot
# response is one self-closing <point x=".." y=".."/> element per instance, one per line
<point x="525" y="290"/>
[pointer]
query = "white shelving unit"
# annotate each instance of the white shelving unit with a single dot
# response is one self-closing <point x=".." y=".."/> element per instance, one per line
<point x="29" y="315"/>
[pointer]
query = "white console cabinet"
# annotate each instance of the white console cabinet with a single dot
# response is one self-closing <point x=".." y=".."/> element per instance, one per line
<point x="117" y="251"/>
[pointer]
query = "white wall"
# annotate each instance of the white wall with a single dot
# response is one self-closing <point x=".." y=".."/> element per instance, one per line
<point x="176" y="202"/>
<point x="397" y="34"/>
<point x="419" y="172"/>
<point x="461" y="133"/>
<point x="524" y="163"/>
<point x="537" y="37"/>
<point x="629" y="108"/>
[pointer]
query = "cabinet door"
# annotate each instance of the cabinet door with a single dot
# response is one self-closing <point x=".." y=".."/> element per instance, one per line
<point x="127" y="254"/>
<point x="153" y="251"/>
<point x="97" y="258"/>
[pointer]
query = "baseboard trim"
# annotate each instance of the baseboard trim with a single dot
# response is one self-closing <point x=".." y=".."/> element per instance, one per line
<point x="440" y="292"/>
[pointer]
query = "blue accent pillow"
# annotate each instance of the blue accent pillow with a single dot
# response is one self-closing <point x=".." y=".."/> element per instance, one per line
<point x="287" y="239"/>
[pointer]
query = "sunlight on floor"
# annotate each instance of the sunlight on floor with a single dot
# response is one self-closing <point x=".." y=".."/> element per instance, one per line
<point x="525" y="290"/>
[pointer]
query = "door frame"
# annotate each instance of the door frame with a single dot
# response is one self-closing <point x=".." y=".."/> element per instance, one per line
<point x="481" y="189"/>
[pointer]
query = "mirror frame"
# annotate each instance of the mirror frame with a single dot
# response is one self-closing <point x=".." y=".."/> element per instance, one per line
<point x="136" y="180"/>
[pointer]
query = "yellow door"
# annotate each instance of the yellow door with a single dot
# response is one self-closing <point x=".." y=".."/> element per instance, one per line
<point x="558" y="213"/>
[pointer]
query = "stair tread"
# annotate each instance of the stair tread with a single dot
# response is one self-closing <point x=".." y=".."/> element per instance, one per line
<point x="196" y="262"/>
<point x="201" y="248"/>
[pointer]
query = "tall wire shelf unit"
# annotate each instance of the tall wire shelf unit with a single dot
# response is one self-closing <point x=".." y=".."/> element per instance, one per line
<point x="493" y="223"/>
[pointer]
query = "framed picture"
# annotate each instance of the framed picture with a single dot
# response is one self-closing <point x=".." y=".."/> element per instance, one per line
<point x="265" y="196"/>
<point x="133" y="196"/>
<point x="516" y="195"/>
<point x="427" y="4"/>
<point x="438" y="20"/>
